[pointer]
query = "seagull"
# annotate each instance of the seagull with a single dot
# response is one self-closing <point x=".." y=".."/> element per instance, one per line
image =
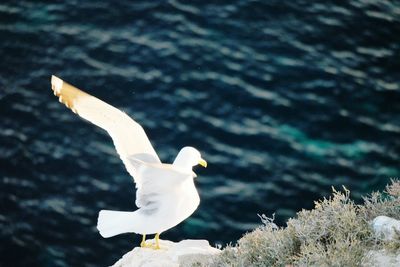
<point x="165" y="195"/>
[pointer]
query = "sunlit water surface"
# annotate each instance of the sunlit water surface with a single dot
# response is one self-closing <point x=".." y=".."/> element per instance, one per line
<point x="283" y="98"/>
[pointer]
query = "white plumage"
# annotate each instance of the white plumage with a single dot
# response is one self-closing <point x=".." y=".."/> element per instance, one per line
<point x="166" y="194"/>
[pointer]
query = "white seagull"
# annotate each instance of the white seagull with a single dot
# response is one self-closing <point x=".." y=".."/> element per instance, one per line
<point x="166" y="194"/>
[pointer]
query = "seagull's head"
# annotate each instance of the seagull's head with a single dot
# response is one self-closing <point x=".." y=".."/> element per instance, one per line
<point x="189" y="157"/>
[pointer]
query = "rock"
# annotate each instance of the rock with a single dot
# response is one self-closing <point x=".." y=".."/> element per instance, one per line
<point x="171" y="254"/>
<point x="385" y="227"/>
<point x="381" y="258"/>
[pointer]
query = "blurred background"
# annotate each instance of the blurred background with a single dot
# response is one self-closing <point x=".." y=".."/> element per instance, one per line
<point x="283" y="98"/>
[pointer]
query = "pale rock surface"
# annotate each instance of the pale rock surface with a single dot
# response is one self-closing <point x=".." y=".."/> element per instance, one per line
<point x="382" y="258"/>
<point x="171" y="254"/>
<point x="385" y="227"/>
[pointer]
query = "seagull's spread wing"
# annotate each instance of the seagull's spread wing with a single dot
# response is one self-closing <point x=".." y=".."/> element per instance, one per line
<point x="129" y="138"/>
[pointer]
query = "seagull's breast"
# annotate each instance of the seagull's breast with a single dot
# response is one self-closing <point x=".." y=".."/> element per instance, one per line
<point x="178" y="205"/>
<point x="190" y="199"/>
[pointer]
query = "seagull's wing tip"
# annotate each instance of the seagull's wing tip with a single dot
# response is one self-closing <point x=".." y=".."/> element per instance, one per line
<point x="56" y="83"/>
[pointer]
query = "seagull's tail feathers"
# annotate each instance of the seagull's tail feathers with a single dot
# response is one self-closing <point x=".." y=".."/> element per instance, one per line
<point x="111" y="223"/>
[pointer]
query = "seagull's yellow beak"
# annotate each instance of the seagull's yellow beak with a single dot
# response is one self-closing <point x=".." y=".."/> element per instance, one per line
<point x="203" y="163"/>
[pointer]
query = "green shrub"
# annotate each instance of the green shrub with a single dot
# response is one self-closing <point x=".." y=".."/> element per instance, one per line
<point x="336" y="232"/>
<point x="385" y="203"/>
<point x="268" y="245"/>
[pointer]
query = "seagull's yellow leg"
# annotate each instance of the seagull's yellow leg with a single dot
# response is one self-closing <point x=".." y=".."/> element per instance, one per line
<point x="143" y="243"/>
<point x="157" y="241"/>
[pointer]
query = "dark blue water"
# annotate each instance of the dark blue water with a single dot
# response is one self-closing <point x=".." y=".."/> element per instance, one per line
<point x="283" y="98"/>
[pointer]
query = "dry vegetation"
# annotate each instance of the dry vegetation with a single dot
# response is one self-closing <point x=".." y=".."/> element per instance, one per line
<point x="336" y="232"/>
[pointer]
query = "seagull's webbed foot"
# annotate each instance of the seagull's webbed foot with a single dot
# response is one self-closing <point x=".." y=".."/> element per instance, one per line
<point x="155" y="246"/>
<point x="143" y="243"/>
